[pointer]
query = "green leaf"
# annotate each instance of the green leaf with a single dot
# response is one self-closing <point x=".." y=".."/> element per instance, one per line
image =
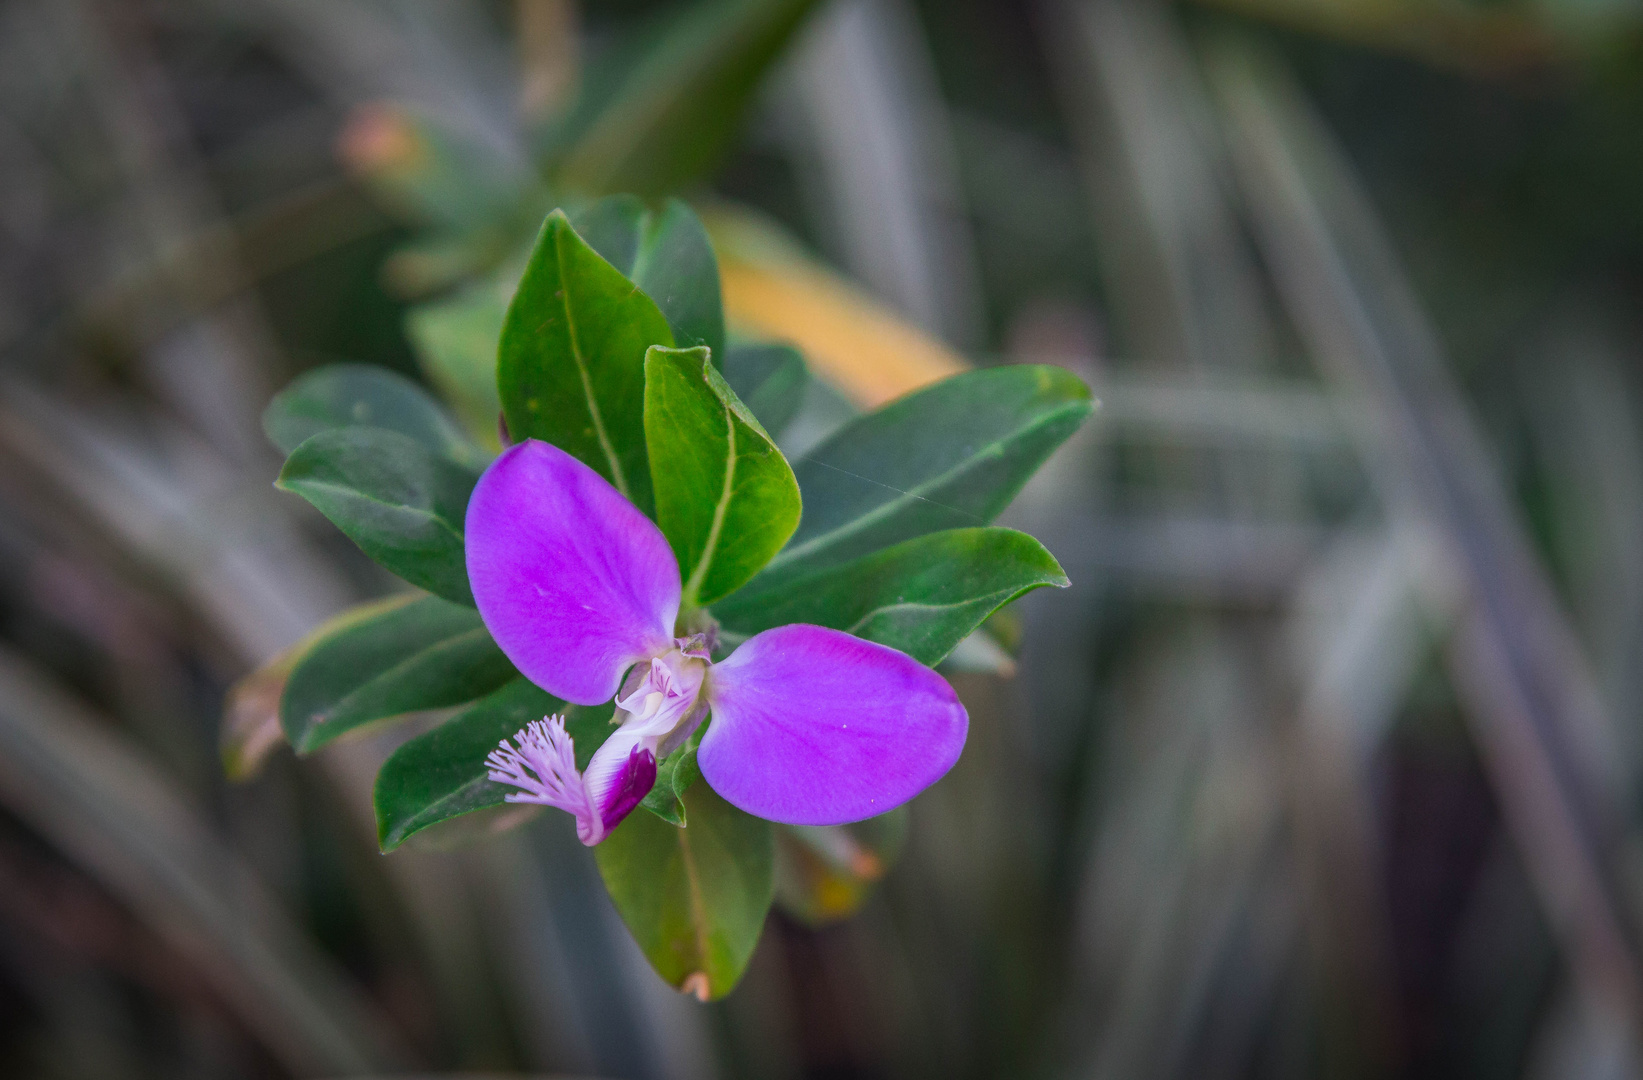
<point x="921" y="596"/>
<point x="403" y="505"/>
<point x="442" y="774"/>
<point x="770" y="379"/>
<point x="408" y="655"/>
<point x="824" y="873"/>
<point x="251" y="726"/>
<point x="949" y="456"/>
<point x="694" y="898"/>
<point x="663" y="113"/>
<point x="725" y="496"/>
<point x="346" y="395"/>
<point x="456" y="342"/>
<point x="571" y="364"/>
<point x="674" y="775"/>
<point x="666" y="252"/>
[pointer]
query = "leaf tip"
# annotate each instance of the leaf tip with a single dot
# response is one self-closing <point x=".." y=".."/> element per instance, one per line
<point x="696" y="984"/>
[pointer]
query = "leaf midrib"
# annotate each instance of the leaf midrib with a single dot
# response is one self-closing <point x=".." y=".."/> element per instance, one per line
<point x="415" y="823"/>
<point x="698" y="573"/>
<point x="910" y="495"/>
<point x="1007" y="594"/>
<point x="698" y="906"/>
<point x="618" y="477"/>
<point x="298" y="483"/>
<point x="408" y="663"/>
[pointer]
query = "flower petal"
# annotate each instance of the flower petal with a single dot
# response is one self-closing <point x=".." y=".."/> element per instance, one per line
<point x="619" y="776"/>
<point x="543" y="767"/>
<point x="815" y="727"/>
<point x="573" y="582"/>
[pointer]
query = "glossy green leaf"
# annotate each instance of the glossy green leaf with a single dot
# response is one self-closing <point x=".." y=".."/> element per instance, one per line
<point x="694" y="898"/>
<point x="420" y="653"/>
<point x="770" y="379"/>
<point x="949" y="456"/>
<point x="571" y="365"/>
<point x="824" y="873"/>
<point x="725" y="496"/>
<point x="251" y="727"/>
<point x="456" y="341"/>
<point x="921" y="596"/>
<point x="442" y="774"/>
<point x="345" y="395"/>
<point x="674" y="775"/>
<point x="402" y="504"/>
<point x="660" y="114"/>
<point x="665" y="251"/>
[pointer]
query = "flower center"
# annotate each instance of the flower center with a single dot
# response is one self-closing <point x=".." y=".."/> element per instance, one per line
<point x="660" y="695"/>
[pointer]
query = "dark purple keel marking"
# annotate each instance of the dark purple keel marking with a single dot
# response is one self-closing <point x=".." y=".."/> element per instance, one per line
<point x="637" y="778"/>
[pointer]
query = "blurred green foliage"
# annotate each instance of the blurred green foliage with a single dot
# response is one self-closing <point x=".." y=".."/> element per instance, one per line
<point x="1250" y="805"/>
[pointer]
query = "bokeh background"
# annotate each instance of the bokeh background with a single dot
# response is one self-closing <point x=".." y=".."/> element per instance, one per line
<point x="1326" y="765"/>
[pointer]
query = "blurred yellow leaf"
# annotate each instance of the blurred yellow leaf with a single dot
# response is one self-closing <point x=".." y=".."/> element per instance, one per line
<point x="773" y="290"/>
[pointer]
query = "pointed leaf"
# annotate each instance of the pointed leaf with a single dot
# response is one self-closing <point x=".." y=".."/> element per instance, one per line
<point x="666" y="252"/>
<point x="571" y="364"/>
<point x="949" y="456"/>
<point x="693" y="898"/>
<point x="345" y="395"/>
<point x="725" y="497"/>
<point x="442" y="774"/>
<point x="770" y="380"/>
<point x="921" y="596"/>
<point x="400" y="503"/>
<point x="412" y="654"/>
<point x="251" y="726"/>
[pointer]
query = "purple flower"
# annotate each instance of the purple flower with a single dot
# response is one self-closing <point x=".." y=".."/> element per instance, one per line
<point x="810" y="726"/>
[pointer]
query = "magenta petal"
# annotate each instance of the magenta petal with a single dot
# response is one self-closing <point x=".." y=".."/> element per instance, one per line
<point x="637" y="777"/>
<point x="573" y="582"/>
<point x="815" y="727"/>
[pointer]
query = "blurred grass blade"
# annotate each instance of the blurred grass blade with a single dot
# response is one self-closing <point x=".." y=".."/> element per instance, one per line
<point x="83" y="787"/>
<point x="1181" y="277"/>
<point x="659" y="116"/>
<point x="870" y="137"/>
<point x="1546" y="740"/>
